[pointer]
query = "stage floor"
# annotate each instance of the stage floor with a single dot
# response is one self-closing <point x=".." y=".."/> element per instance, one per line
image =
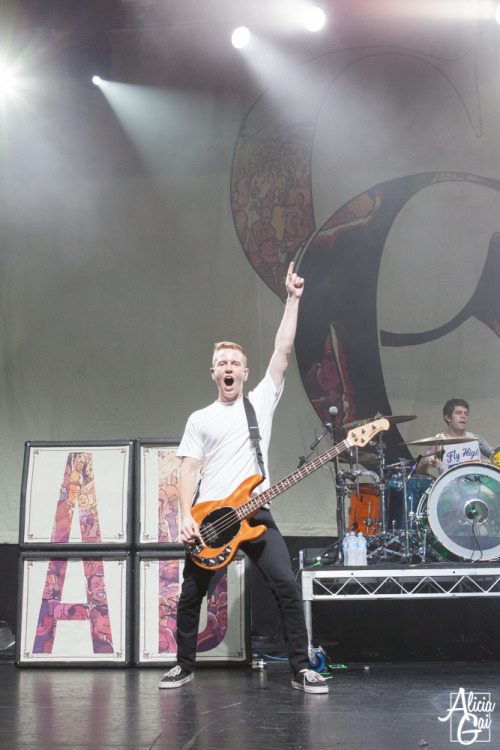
<point x="369" y="706"/>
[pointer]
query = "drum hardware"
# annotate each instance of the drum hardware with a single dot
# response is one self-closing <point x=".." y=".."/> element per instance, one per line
<point x="476" y="511"/>
<point x="385" y="545"/>
<point x="456" y="517"/>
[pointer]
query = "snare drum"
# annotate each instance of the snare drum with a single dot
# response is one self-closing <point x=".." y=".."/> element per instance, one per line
<point x="459" y="516"/>
<point x="365" y="510"/>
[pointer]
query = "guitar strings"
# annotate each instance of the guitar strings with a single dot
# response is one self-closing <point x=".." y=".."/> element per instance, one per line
<point x="227" y="520"/>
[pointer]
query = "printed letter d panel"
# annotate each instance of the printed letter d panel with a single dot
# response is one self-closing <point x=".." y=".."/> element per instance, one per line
<point x="157" y="492"/>
<point x="223" y="633"/>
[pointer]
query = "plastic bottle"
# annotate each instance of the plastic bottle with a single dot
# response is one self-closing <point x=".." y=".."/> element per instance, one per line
<point x="344" y="549"/>
<point x="361" y="550"/>
<point x="357" y="551"/>
<point x="348" y="548"/>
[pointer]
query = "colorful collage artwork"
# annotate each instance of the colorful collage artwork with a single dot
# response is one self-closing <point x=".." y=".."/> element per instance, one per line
<point x="81" y="550"/>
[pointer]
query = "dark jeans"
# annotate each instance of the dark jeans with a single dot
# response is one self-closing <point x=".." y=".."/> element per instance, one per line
<point x="270" y="554"/>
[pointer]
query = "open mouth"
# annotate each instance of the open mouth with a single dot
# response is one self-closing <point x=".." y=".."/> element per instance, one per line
<point x="228" y="380"/>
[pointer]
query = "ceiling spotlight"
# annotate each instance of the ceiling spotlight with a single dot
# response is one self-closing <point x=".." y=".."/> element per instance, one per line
<point x="7" y="80"/>
<point x="240" y="37"/>
<point x="314" y="19"/>
<point x="96" y="80"/>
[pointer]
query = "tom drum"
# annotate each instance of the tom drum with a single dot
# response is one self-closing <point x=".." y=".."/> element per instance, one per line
<point x="365" y="510"/>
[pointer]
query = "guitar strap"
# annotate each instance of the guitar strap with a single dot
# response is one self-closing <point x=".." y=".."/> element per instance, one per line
<point x="253" y="429"/>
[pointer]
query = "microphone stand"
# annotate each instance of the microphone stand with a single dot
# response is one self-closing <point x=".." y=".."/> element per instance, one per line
<point x="304" y="459"/>
<point x="340" y="487"/>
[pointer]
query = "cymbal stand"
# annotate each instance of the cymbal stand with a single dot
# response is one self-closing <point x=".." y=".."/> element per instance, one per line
<point x="406" y="476"/>
<point x="403" y="475"/>
<point x="410" y="511"/>
<point x="341" y="489"/>
<point x="380" y="448"/>
<point x="383" y="551"/>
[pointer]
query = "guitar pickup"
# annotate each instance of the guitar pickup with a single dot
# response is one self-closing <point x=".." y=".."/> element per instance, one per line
<point x="209" y="535"/>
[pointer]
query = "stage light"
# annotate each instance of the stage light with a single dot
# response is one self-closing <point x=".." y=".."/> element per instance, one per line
<point x="314" y="19"/>
<point x="96" y="80"/>
<point x="240" y="37"/>
<point x="7" y="80"/>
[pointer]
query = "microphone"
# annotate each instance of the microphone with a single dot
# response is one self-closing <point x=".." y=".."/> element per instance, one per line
<point x="333" y="411"/>
<point x="330" y="429"/>
<point x="313" y="445"/>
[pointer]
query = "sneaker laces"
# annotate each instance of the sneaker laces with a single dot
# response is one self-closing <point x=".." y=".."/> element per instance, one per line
<point x="311" y="676"/>
<point x="174" y="671"/>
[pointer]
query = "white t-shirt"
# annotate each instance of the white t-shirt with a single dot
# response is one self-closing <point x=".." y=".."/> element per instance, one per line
<point x="218" y="436"/>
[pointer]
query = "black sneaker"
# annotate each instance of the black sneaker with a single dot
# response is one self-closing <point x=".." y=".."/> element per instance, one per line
<point x="175" y="677"/>
<point x="310" y="682"/>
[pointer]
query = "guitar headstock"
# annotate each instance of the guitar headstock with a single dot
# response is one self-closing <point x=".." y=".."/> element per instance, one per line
<point x="362" y="435"/>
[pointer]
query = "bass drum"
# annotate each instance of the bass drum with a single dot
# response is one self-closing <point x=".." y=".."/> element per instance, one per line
<point x="459" y="516"/>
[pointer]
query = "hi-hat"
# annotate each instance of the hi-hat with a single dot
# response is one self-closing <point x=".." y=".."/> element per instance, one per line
<point x="440" y="440"/>
<point x="392" y="420"/>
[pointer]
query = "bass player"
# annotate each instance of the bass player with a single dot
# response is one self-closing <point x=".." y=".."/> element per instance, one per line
<point x="217" y="440"/>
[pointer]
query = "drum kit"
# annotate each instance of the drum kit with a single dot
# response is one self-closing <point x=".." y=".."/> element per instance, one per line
<point x="419" y="519"/>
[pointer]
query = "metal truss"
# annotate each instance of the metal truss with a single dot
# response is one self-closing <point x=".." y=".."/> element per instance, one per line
<point x="320" y="584"/>
<point x="394" y="582"/>
<point x="424" y="582"/>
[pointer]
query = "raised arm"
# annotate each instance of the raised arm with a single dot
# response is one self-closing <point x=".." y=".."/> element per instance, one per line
<point x="286" y="332"/>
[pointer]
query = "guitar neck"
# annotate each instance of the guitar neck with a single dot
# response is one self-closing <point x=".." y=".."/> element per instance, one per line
<point x="254" y="503"/>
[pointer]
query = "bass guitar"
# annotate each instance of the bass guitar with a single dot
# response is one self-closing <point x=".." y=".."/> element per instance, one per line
<point x="224" y="523"/>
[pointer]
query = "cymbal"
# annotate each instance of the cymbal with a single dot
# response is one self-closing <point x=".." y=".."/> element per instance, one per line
<point x="392" y="419"/>
<point x="364" y="457"/>
<point x="439" y="440"/>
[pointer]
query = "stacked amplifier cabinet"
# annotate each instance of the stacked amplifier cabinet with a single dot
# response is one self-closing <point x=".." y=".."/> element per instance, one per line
<point x="101" y="562"/>
<point x="159" y="560"/>
<point x="75" y="559"/>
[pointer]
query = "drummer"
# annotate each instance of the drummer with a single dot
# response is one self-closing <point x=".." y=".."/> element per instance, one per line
<point x="444" y="457"/>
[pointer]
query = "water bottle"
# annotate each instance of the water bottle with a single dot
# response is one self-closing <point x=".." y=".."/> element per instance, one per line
<point x="348" y="547"/>
<point x="352" y="548"/>
<point x="361" y="550"/>
<point x="344" y="548"/>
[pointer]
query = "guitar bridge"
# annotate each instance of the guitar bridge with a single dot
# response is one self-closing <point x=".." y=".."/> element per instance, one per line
<point x="193" y="547"/>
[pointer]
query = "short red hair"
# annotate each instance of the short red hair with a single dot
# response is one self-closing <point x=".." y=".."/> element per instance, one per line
<point x="227" y="345"/>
